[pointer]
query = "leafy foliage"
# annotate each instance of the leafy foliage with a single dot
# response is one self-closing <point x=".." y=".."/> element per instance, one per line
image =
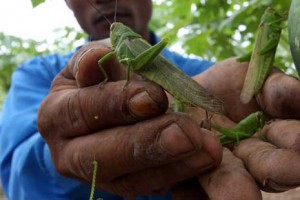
<point x="216" y="30"/>
<point x="14" y="50"/>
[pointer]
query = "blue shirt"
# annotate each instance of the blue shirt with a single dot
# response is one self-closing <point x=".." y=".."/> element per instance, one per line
<point x="26" y="168"/>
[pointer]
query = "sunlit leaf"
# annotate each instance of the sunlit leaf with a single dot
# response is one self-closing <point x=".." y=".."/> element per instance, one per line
<point x="215" y="29"/>
<point x="14" y="50"/>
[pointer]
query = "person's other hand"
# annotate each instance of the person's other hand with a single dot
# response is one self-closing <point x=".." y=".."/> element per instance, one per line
<point x="273" y="162"/>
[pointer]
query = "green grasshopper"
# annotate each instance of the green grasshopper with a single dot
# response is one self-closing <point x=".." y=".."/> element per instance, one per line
<point x="142" y="58"/>
<point x="139" y="56"/>
<point x="244" y="129"/>
<point x="262" y="57"/>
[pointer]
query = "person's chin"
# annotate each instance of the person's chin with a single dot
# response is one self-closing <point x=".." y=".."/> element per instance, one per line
<point x="101" y="31"/>
<point x="128" y="21"/>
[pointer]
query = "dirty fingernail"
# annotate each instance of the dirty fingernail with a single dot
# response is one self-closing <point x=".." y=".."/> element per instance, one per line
<point x="142" y="105"/>
<point x="175" y="141"/>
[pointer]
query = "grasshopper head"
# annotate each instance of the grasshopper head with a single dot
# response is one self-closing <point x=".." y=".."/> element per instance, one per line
<point x="119" y="32"/>
<point x="271" y="16"/>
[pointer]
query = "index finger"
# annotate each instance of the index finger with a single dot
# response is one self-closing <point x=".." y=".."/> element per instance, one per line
<point x="78" y="111"/>
<point x="77" y="104"/>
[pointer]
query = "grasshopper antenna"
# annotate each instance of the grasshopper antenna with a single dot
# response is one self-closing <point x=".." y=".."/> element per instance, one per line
<point x="90" y="2"/>
<point x="116" y="5"/>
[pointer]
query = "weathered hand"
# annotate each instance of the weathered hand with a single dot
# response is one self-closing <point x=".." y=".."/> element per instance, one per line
<point x="274" y="163"/>
<point x="230" y="181"/>
<point x="140" y="149"/>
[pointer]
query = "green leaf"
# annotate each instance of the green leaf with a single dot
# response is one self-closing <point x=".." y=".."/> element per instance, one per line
<point x="216" y="30"/>
<point x="15" y="50"/>
<point x="35" y="3"/>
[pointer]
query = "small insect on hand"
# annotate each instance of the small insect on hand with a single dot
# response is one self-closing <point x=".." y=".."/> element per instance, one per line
<point x="140" y="57"/>
<point x="262" y="57"/>
<point x="244" y="129"/>
<point x="135" y="53"/>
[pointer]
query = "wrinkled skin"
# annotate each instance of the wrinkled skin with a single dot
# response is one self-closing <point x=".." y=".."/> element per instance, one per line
<point x="273" y="162"/>
<point x="143" y="150"/>
<point x="140" y="148"/>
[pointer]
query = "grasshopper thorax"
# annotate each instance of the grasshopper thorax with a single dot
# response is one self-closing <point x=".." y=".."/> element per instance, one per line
<point x="119" y="32"/>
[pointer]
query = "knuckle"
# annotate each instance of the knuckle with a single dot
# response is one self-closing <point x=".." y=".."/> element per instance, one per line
<point x="72" y="163"/>
<point x="70" y="114"/>
<point x="45" y="123"/>
<point x="61" y="112"/>
<point x="296" y="145"/>
<point x="60" y="165"/>
<point x="75" y="113"/>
